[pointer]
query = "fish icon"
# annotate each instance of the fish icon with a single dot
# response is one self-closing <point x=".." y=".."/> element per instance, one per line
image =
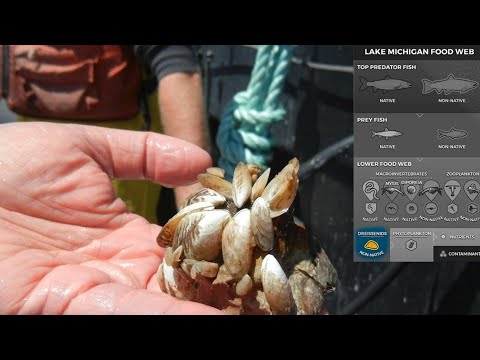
<point x="452" y="134"/>
<point x="387" y="84"/>
<point x="386" y="133"/>
<point x="448" y="85"/>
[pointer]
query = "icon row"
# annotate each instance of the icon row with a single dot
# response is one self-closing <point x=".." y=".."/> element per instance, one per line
<point x="472" y="209"/>
<point x="411" y="208"/>
<point x="431" y="188"/>
<point x="450" y="134"/>
<point x="450" y="84"/>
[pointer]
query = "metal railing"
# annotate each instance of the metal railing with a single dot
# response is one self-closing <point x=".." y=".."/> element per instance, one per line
<point x="315" y="65"/>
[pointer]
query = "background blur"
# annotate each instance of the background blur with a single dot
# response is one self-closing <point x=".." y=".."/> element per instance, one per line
<point x="5" y="114"/>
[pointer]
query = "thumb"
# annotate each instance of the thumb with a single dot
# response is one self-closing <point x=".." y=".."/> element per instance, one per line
<point x="144" y="155"/>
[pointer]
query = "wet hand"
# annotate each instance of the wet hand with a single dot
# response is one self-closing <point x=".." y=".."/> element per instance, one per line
<point x="68" y="245"/>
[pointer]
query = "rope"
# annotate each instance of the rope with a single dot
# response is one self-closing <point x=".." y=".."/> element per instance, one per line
<point x="244" y="132"/>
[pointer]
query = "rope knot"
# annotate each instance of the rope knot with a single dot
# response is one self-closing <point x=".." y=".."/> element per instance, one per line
<point x="244" y="133"/>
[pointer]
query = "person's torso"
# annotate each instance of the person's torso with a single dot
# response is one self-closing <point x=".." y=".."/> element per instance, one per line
<point x="77" y="82"/>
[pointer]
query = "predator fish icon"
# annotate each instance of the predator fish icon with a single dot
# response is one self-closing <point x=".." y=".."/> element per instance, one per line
<point x="386" y="133"/>
<point x="452" y="134"/>
<point x="387" y="84"/>
<point x="448" y="85"/>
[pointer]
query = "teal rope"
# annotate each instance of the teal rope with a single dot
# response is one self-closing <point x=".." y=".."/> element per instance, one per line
<point x="244" y="132"/>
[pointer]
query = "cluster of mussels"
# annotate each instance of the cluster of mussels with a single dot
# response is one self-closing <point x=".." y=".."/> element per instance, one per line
<point x="234" y="245"/>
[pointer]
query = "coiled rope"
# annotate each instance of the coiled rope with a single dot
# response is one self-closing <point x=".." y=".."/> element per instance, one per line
<point x="244" y="131"/>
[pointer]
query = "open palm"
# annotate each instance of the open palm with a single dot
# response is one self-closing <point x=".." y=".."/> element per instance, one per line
<point x="68" y="245"/>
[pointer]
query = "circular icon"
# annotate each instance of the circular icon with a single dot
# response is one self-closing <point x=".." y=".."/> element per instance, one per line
<point x="472" y="208"/>
<point x="431" y="208"/>
<point x="411" y="245"/>
<point x="391" y="208"/>
<point x="472" y="188"/>
<point x="411" y="208"/>
<point x="452" y="208"/>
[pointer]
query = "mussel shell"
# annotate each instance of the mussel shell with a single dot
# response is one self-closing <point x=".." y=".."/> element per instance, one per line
<point x="165" y="238"/>
<point x="281" y="191"/>
<point x="259" y="185"/>
<point x="262" y="224"/>
<point x="201" y="234"/>
<point x="206" y="195"/>
<point x="244" y="285"/>
<point x="216" y="171"/>
<point x="276" y="286"/>
<point x="221" y="186"/>
<point x="241" y="185"/>
<point x="238" y="244"/>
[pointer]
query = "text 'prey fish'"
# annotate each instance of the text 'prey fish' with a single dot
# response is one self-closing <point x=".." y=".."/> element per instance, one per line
<point x="452" y="134"/>
<point x="386" y="133"/>
<point x="448" y="85"/>
<point x="387" y="84"/>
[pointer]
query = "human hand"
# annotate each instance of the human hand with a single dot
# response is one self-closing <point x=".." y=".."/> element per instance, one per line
<point x="68" y="245"/>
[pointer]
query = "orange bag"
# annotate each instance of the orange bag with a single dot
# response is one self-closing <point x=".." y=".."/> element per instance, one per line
<point x="70" y="82"/>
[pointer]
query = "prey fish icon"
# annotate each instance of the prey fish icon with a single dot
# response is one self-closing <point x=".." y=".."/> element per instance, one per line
<point x="452" y="134"/>
<point x="386" y="134"/>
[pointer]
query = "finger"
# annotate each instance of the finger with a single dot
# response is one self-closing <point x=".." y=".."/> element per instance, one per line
<point x="112" y="299"/>
<point x="144" y="155"/>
